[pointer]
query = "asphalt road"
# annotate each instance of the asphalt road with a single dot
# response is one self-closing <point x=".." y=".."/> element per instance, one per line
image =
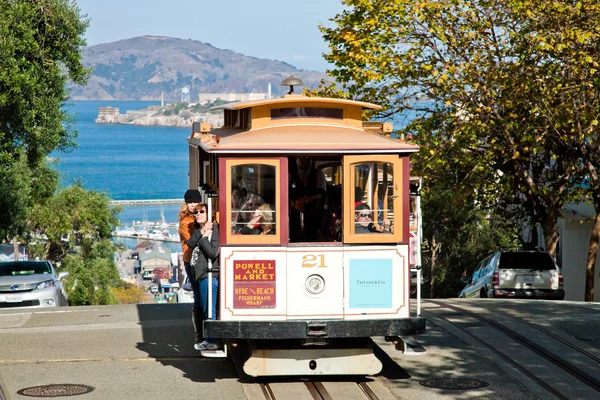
<point x="145" y="352"/>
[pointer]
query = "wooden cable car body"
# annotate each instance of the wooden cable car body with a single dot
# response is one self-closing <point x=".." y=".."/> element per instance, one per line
<point x="306" y="302"/>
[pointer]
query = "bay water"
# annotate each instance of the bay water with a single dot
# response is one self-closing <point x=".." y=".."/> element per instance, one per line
<point x="127" y="162"/>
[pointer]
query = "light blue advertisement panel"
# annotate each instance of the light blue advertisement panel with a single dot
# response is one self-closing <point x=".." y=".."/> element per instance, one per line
<point x="370" y="283"/>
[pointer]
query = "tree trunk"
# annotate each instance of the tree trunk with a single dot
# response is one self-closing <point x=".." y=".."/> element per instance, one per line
<point x="550" y="232"/>
<point x="592" y="253"/>
<point x="16" y="249"/>
<point x="435" y="247"/>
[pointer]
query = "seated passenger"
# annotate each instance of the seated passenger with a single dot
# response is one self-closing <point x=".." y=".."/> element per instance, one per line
<point x="262" y="223"/>
<point x="250" y="203"/>
<point x="363" y="221"/>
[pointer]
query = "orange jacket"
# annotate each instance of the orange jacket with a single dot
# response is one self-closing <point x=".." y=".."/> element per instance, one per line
<point x="186" y="228"/>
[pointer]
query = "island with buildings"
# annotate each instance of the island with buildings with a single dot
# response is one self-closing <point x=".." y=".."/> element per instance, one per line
<point x="180" y="114"/>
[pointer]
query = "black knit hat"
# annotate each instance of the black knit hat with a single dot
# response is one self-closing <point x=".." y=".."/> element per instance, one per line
<point x="192" y="196"/>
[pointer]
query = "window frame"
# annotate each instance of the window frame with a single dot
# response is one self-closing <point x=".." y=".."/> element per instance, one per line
<point x="399" y="235"/>
<point x="281" y="214"/>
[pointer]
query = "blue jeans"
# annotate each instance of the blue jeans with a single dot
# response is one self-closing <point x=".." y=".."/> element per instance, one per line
<point x="204" y="292"/>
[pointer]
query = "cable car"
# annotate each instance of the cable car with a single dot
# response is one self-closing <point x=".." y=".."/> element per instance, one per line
<point x="313" y="206"/>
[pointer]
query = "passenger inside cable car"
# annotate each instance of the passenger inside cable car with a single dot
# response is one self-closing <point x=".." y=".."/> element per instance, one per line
<point x="262" y="223"/>
<point x="307" y="192"/>
<point x="363" y="219"/>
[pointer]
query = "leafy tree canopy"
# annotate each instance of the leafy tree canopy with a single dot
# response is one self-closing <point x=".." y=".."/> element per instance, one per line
<point x="492" y="85"/>
<point x="40" y="43"/>
<point x="74" y="218"/>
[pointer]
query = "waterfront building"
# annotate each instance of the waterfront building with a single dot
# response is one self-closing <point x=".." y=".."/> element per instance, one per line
<point x="108" y="111"/>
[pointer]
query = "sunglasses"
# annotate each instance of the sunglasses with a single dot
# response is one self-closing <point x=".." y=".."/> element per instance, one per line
<point x="364" y="215"/>
<point x="199" y="212"/>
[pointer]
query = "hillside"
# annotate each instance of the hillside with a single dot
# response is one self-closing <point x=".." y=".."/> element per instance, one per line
<point x="141" y="68"/>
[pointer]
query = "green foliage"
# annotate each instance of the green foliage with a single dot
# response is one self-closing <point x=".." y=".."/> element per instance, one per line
<point x="74" y="217"/>
<point x="39" y="54"/>
<point x="23" y="186"/>
<point x="458" y="234"/>
<point x="496" y="90"/>
<point x="179" y="107"/>
<point x="90" y="280"/>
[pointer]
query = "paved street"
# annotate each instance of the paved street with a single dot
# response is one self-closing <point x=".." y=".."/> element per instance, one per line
<point x="144" y="351"/>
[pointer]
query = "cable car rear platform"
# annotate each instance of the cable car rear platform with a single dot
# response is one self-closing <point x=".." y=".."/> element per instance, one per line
<point x="303" y="329"/>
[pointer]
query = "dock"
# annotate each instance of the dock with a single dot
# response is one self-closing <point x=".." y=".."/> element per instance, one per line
<point x="156" y="202"/>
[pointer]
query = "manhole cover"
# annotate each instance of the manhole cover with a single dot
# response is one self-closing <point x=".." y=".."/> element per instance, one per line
<point x="454" y="383"/>
<point x="55" y="390"/>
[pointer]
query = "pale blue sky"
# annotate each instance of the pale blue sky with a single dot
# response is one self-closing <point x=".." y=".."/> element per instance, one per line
<point x="283" y="30"/>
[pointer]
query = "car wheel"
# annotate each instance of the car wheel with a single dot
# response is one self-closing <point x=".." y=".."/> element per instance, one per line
<point x="483" y="293"/>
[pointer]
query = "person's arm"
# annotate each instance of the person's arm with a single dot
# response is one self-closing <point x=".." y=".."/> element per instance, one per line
<point x="185" y="229"/>
<point x="195" y="237"/>
<point x="210" y="248"/>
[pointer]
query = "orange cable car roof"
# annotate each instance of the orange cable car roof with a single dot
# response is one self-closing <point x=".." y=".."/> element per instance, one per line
<point x="294" y="98"/>
<point x="303" y="138"/>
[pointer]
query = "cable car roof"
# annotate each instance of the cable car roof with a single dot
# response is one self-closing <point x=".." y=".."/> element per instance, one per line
<point x="301" y="138"/>
<point x="295" y="99"/>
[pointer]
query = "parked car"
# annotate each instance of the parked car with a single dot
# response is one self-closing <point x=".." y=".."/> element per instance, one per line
<point x="185" y="293"/>
<point x="154" y="289"/>
<point x="516" y="274"/>
<point x="31" y="284"/>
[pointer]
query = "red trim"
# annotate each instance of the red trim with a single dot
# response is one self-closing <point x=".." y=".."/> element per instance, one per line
<point x="222" y="202"/>
<point x="284" y="201"/>
<point x="405" y="199"/>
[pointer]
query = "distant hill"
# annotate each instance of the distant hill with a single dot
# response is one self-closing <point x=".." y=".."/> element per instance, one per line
<point x="140" y="68"/>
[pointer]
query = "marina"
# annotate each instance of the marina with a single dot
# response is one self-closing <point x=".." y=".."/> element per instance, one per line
<point x="135" y="230"/>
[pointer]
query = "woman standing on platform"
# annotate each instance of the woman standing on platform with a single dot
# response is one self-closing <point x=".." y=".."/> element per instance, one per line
<point x="206" y="247"/>
<point x="187" y="222"/>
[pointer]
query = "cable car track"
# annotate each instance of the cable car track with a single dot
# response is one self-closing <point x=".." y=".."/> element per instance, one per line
<point x="318" y="391"/>
<point x="548" y="333"/>
<point x="565" y="366"/>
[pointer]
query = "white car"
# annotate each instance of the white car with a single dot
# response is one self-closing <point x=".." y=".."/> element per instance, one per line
<point x="516" y="274"/>
<point x="185" y="293"/>
<point x="31" y="284"/>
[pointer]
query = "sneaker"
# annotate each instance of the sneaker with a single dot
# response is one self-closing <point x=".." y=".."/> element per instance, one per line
<point x="202" y="345"/>
<point x="212" y="346"/>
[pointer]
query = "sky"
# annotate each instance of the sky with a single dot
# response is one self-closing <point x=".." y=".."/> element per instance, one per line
<point x="283" y="30"/>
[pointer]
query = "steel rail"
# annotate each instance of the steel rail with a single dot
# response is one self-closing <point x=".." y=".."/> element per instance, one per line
<point x="267" y="391"/>
<point x="367" y="391"/>
<point x="566" y="366"/>
<point x="507" y="359"/>
<point x="548" y="333"/>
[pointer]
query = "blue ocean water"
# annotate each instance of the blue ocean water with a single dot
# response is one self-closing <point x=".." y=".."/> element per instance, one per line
<point x="127" y="161"/>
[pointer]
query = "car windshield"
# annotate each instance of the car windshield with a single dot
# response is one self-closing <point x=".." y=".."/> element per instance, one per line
<point x="24" y="268"/>
<point x="524" y="260"/>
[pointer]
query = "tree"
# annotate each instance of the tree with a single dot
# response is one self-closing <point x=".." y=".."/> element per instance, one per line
<point x="457" y="234"/>
<point x="490" y="84"/>
<point x="74" y="217"/>
<point x="40" y="43"/>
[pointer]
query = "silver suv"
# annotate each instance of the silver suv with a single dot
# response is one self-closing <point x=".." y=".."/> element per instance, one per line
<point x="516" y="274"/>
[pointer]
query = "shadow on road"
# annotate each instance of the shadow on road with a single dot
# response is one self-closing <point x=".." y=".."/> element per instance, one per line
<point x="168" y="337"/>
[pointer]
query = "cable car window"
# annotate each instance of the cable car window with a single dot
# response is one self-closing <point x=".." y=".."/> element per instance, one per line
<point x="253" y="206"/>
<point x="373" y="201"/>
<point x="373" y="205"/>
<point x="307" y="112"/>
